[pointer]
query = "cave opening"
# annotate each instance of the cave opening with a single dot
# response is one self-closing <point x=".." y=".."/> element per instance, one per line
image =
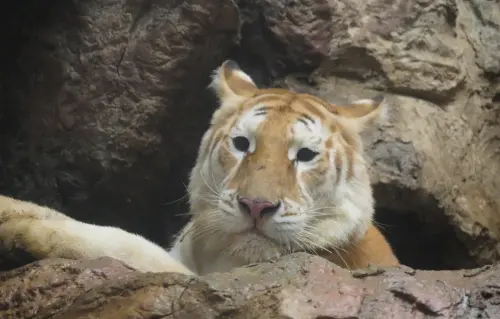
<point x="419" y="231"/>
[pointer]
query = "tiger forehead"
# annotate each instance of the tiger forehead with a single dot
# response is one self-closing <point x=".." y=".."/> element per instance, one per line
<point x="285" y="101"/>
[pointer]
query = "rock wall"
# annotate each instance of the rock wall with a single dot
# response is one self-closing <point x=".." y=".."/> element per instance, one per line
<point x="104" y="103"/>
<point x="107" y="103"/>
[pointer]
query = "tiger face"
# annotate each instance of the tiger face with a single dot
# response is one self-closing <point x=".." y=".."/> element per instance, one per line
<point x="279" y="171"/>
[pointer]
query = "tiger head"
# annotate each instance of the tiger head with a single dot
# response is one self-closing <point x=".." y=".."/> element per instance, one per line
<point x="279" y="171"/>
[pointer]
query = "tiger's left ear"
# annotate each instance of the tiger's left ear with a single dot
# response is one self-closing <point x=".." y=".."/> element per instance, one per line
<point x="230" y="83"/>
<point x="361" y="113"/>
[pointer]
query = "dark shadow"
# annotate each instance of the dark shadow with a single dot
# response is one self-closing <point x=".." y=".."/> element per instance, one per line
<point x="419" y="231"/>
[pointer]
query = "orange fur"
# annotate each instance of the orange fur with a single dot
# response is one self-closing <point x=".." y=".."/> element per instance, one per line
<point x="372" y="248"/>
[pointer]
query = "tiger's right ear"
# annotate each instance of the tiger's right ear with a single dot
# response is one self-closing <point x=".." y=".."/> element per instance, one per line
<point x="230" y="83"/>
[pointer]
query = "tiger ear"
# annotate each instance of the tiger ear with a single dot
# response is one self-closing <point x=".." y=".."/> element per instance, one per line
<point x="361" y="113"/>
<point x="230" y="82"/>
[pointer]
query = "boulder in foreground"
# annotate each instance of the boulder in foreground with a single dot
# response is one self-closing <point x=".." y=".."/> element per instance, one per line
<point x="296" y="286"/>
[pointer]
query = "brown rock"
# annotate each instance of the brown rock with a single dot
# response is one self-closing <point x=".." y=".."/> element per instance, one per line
<point x="433" y="163"/>
<point x="107" y="103"/>
<point x="279" y="36"/>
<point x="481" y="25"/>
<point x="298" y="286"/>
<point x="381" y="42"/>
<point x="42" y="289"/>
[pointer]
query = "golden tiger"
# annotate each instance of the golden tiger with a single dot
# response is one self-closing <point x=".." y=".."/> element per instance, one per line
<point x="277" y="172"/>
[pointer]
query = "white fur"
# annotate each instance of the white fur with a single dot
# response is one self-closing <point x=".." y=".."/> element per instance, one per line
<point x="47" y="233"/>
<point x="246" y="126"/>
<point x="312" y="138"/>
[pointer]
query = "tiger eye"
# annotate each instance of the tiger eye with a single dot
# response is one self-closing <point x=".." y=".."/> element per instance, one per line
<point x="306" y="155"/>
<point x="241" y="143"/>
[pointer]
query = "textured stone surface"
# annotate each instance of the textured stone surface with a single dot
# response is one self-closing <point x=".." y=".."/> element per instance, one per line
<point x="102" y="95"/>
<point x="432" y="162"/>
<point x="408" y="47"/>
<point x="482" y="25"/>
<point x="43" y="289"/>
<point x="299" y="286"/>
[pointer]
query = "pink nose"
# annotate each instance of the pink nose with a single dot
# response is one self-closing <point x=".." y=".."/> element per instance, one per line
<point x="257" y="208"/>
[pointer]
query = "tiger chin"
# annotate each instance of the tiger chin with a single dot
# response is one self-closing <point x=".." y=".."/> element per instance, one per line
<point x="277" y="172"/>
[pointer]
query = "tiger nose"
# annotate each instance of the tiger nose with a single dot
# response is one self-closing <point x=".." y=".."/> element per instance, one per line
<point x="257" y="208"/>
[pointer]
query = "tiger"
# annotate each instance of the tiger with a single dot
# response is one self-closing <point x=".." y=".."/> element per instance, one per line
<point x="277" y="172"/>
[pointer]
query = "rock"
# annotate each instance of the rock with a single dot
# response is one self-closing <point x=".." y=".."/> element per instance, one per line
<point x="298" y="286"/>
<point x="432" y="163"/>
<point x="43" y="289"/>
<point x="108" y="102"/>
<point x="481" y="25"/>
<point x="278" y="36"/>
<point x="381" y="42"/>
